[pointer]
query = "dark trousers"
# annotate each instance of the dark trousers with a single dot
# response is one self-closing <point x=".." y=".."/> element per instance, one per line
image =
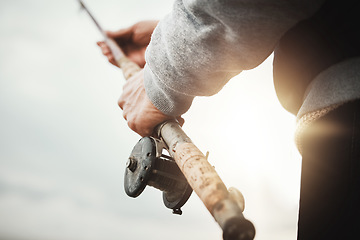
<point x="330" y="178"/>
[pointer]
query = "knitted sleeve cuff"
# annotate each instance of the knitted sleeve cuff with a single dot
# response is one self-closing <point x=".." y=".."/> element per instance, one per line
<point x="165" y="99"/>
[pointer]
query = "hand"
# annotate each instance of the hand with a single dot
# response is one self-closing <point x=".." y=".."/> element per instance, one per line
<point x="132" y="40"/>
<point x="141" y="115"/>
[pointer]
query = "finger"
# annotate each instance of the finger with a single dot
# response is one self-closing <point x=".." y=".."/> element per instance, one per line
<point x="144" y="133"/>
<point x="104" y="47"/>
<point x="180" y="120"/>
<point x="111" y="60"/>
<point x="110" y="57"/>
<point x="121" y="102"/>
<point x="125" y="115"/>
<point x="136" y="127"/>
<point x="106" y="50"/>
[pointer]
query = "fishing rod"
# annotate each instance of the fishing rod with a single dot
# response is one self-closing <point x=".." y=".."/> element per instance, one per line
<point x="184" y="170"/>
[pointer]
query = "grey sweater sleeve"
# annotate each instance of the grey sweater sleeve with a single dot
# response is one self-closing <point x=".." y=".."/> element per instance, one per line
<point x="201" y="44"/>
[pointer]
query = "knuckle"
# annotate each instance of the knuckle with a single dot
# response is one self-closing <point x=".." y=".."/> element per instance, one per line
<point x="106" y="51"/>
<point x="147" y="132"/>
<point x="124" y="115"/>
<point x="121" y="103"/>
<point x="132" y="125"/>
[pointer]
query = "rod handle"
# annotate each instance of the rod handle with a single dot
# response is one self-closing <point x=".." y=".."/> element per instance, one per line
<point x="225" y="206"/>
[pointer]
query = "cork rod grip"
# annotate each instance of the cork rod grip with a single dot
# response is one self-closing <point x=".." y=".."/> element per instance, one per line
<point x="223" y="205"/>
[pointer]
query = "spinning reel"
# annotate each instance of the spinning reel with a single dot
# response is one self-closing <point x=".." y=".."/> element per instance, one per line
<point x="147" y="165"/>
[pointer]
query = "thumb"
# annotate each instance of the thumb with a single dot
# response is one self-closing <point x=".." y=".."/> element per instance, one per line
<point x="122" y="33"/>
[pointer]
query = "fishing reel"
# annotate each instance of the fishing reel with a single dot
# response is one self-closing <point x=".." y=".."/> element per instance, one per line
<point x="147" y="165"/>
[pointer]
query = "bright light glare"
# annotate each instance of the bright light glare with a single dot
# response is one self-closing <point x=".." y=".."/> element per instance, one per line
<point x="250" y="139"/>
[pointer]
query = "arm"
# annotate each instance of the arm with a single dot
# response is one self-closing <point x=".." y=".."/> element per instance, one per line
<point x="201" y="44"/>
<point x="198" y="47"/>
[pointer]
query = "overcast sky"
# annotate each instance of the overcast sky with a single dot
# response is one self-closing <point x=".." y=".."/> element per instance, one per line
<point x="64" y="143"/>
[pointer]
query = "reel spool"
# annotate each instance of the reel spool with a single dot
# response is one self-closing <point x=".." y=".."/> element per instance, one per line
<point x="148" y="166"/>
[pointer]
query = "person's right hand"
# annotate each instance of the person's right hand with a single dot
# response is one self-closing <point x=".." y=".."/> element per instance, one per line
<point x="132" y="40"/>
<point x="138" y="111"/>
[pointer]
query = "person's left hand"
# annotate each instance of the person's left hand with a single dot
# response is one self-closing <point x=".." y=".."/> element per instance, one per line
<point x="132" y="40"/>
<point x="141" y="115"/>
